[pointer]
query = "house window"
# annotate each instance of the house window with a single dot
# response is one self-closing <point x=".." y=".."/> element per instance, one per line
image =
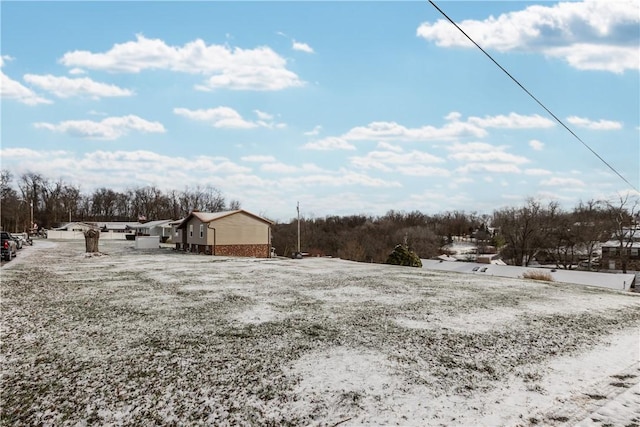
<point x="190" y="230"/>
<point x="201" y="231"/>
<point x="634" y="251"/>
<point x="612" y="251"/>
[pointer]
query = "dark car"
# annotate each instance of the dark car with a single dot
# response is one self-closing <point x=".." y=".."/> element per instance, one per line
<point x="8" y="246"/>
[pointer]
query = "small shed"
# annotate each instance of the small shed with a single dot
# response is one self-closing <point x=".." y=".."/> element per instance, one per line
<point x="230" y="233"/>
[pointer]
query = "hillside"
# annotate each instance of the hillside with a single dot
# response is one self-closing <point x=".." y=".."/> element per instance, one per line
<point x="160" y="336"/>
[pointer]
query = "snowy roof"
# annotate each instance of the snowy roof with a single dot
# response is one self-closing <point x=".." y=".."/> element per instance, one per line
<point x="616" y="244"/>
<point x="68" y="225"/>
<point x="153" y="224"/>
<point x="212" y="216"/>
<point x="116" y="225"/>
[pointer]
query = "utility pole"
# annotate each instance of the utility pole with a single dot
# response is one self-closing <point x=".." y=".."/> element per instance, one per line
<point x="298" y="209"/>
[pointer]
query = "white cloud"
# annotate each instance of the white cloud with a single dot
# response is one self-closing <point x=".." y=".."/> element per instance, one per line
<point x="388" y="161"/>
<point x="455" y="128"/>
<point x="582" y="56"/>
<point x="226" y="117"/>
<point x="12" y="89"/>
<point x="27" y="153"/>
<point x="262" y="115"/>
<point x="422" y="170"/>
<point x="342" y="178"/>
<point x="588" y="35"/>
<point x="453" y="116"/>
<point x="315" y="131"/>
<point x="330" y="143"/>
<point x="489" y="167"/>
<point x="64" y="87"/>
<point x="594" y="125"/>
<point x="536" y="145"/>
<point x="219" y="117"/>
<point x="109" y="128"/>
<point x="232" y="68"/>
<point x="537" y="172"/>
<point x="118" y="169"/>
<point x="278" y="167"/>
<point x="76" y="71"/>
<point x="389" y="147"/>
<point x="392" y="131"/>
<point x="562" y="182"/>
<point x="477" y="152"/>
<point x="302" y="47"/>
<point x="512" y="121"/>
<point x="258" y="159"/>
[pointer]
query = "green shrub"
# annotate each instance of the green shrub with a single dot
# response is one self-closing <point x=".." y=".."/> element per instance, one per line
<point x="401" y="255"/>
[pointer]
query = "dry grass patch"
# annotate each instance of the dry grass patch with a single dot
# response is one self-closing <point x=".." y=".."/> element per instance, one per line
<point x="537" y="275"/>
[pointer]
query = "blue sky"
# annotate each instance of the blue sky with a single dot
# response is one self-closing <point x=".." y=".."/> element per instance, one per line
<point x="346" y="107"/>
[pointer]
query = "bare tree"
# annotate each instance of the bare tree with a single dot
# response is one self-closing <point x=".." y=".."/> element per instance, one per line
<point x="591" y="226"/>
<point x="525" y="230"/>
<point x="11" y="208"/>
<point x="623" y="217"/>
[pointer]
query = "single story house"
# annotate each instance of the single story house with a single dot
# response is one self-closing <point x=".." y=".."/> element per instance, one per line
<point x="229" y="233"/>
<point x="161" y="228"/>
<point x="108" y="230"/>
<point x="77" y="226"/>
<point x="613" y="255"/>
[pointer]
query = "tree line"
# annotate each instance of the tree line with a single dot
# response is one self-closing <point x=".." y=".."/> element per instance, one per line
<point x="50" y="203"/>
<point x="535" y="231"/>
<point x="544" y="232"/>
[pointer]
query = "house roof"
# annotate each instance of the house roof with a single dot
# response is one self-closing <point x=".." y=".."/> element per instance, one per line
<point x="116" y="225"/>
<point x="616" y="244"/>
<point x="208" y="217"/>
<point x="75" y="224"/>
<point x="152" y="224"/>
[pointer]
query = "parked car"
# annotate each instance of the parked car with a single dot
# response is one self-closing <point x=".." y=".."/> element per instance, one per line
<point x="18" y="240"/>
<point x="8" y="246"/>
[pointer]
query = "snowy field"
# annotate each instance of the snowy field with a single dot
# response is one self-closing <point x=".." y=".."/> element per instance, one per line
<point x="161" y="337"/>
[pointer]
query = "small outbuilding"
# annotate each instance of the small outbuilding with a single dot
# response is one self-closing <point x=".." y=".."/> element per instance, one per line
<point x="160" y="228"/>
<point x="228" y="233"/>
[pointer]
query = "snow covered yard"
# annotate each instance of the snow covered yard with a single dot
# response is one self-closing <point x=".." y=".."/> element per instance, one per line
<point x="161" y="337"/>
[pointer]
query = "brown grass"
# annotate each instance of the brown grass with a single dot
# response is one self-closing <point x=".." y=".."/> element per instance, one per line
<point x="538" y="275"/>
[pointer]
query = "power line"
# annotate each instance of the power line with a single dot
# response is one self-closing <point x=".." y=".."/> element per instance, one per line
<point x="534" y="98"/>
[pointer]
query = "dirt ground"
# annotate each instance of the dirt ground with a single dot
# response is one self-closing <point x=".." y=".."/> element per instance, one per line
<point x="130" y="337"/>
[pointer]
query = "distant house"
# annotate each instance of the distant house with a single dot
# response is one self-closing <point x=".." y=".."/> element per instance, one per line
<point x="108" y="230"/>
<point x="116" y="226"/>
<point x="614" y="253"/>
<point x="230" y="233"/>
<point x="77" y="226"/>
<point x="161" y="228"/>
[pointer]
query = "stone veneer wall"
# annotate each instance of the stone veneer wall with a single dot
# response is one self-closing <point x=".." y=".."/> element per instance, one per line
<point x="256" y="250"/>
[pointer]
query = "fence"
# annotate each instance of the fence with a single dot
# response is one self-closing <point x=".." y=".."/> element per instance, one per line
<point x="79" y="235"/>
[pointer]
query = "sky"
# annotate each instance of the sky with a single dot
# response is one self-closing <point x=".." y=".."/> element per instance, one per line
<point x="345" y="107"/>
